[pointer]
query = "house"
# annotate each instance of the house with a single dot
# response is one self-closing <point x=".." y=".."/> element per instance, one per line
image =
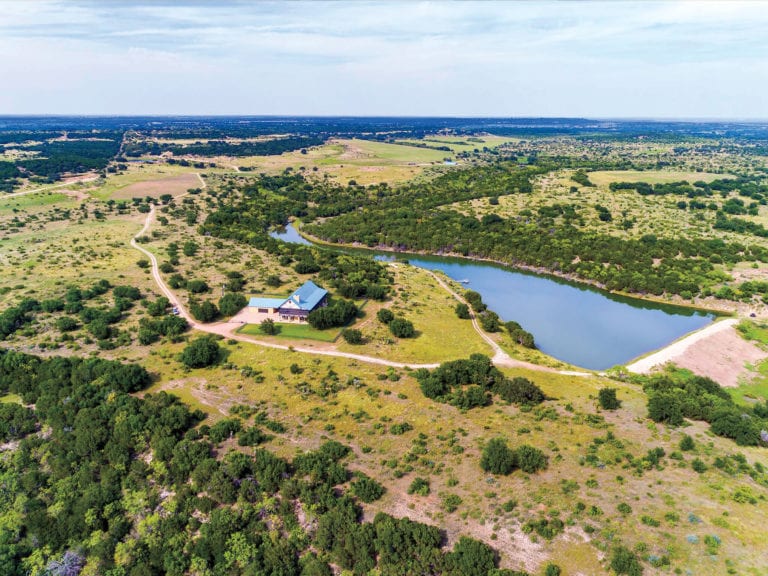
<point x="295" y="308"/>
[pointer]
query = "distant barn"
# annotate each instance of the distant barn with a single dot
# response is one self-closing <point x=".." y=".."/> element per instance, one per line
<point x="295" y="308"/>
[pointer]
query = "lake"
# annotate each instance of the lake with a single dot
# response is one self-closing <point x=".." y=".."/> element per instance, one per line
<point x="572" y="322"/>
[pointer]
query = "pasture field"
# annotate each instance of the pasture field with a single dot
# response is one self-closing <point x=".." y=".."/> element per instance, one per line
<point x="340" y="161"/>
<point x="420" y="299"/>
<point x="603" y="178"/>
<point x="357" y="404"/>
<point x="670" y="514"/>
<point x="146" y="179"/>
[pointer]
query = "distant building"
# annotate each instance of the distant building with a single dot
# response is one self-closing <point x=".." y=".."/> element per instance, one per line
<point x="295" y="308"/>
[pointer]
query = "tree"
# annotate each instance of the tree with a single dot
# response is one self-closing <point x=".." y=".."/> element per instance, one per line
<point x="268" y="326"/>
<point x="498" y="458"/>
<point x="607" y="399"/>
<point x="201" y="352"/>
<point x="402" y="328"/>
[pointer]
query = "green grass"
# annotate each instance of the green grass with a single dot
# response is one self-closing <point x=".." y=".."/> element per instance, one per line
<point x="605" y="177"/>
<point x="293" y="331"/>
<point x="38" y="200"/>
<point x="10" y="399"/>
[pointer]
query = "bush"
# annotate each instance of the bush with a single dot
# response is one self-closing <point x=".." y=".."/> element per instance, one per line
<point x="129" y="292"/>
<point x="607" y="399"/>
<point x="665" y="407"/>
<point x="471" y="558"/>
<point x="624" y="561"/>
<point x="385" y="315"/>
<point x="698" y="465"/>
<point x="205" y="311"/>
<point x="402" y="328"/>
<point x="200" y="353"/>
<point x="489" y="321"/>
<point x="519" y="390"/>
<point x="498" y="458"/>
<point x="419" y="486"/>
<point x="530" y="460"/>
<point x="337" y="313"/>
<point x="475" y="300"/>
<point x="15" y="421"/>
<point x="462" y="311"/>
<point x="687" y="443"/>
<point x="197" y="286"/>
<point x="273" y="280"/>
<point x="367" y="489"/>
<point x="158" y="307"/>
<point x="231" y="303"/>
<point x="66" y="324"/>
<point x="352" y="336"/>
<point x="252" y="436"/>
<point x="224" y="429"/>
<point x="53" y="305"/>
<point x="268" y="326"/>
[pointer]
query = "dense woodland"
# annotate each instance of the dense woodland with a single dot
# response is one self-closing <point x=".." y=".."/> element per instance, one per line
<point x="130" y="486"/>
<point x="414" y="217"/>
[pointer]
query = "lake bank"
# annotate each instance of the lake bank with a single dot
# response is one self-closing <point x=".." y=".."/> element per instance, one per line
<point x="572" y="322"/>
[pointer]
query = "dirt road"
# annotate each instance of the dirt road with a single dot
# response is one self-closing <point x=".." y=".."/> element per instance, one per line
<point x="227" y="329"/>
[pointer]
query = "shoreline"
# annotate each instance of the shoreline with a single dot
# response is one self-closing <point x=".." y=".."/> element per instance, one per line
<point x="679" y="347"/>
<point x="540" y="271"/>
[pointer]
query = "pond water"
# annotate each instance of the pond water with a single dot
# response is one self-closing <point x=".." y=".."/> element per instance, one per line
<point x="572" y="322"/>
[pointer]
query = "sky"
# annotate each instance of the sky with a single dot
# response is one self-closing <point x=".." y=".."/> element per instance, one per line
<point x="653" y="59"/>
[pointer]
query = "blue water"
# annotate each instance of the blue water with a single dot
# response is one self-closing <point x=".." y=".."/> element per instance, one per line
<point x="574" y="323"/>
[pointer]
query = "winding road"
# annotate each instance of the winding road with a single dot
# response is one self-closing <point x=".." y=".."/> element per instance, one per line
<point x="225" y="329"/>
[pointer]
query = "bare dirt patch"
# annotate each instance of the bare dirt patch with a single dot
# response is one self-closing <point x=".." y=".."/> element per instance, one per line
<point x="723" y="357"/>
<point x="718" y="352"/>
<point x="175" y="186"/>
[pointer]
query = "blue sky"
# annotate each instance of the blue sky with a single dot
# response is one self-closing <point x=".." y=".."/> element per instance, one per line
<point x="685" y="59"/>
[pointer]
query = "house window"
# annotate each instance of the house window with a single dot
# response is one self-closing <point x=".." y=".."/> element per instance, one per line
<point x="263" y="310"/>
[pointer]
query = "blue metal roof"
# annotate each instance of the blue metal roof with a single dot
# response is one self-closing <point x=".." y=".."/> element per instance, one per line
<point x="308" y="296"/>
<point x="265" y="302"/>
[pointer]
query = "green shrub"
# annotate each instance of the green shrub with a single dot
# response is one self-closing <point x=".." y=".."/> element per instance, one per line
<point x="402" y="328"/>
<point x="367" y="489"/>
<point x="529" y="459"/>
<point x="419" y="486"/>
<point x="624" y="561"/>
<point x="687" y="443"/>
<point x="352" y="336"/>
<point x="385" y="315"/>
<point x="607" y="399"/>
<point x="462" y="311"/>
<point x="201" y="352"/>
<point x="231" y="303"/>
<point x="268" y="326"/>
<point x="498" y="458"/>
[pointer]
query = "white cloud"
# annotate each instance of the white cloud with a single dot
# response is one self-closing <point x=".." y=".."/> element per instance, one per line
<point x="494" y="58"/>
